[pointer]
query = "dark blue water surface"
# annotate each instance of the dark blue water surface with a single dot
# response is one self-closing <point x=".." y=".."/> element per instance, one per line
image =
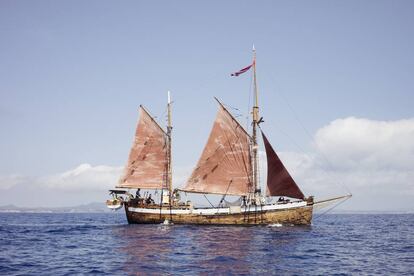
<point x="60" y="244"/>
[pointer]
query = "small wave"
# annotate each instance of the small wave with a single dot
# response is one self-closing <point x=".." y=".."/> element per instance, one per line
<point x="275" y="225"/>
<point x="167" y="222"/>
<point x="73" y="228"/>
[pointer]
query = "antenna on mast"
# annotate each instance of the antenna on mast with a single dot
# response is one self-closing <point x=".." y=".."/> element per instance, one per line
<point x="169" y="126"/>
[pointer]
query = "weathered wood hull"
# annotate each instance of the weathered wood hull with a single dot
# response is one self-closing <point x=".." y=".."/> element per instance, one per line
<point x="255" y="216"/>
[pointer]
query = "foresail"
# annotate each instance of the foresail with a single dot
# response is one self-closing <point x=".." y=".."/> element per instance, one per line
<point x="224" y="166"/>
<point x="147" y="162"/>
<point x="279" y="181"/>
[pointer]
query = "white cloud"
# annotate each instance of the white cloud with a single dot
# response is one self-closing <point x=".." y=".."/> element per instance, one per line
<point x="374" y="159"/>
<point x="353" y="143"/>
<point x="84" y="178"/>
<point x="81" y="185"/>
<point x="9" y="181"/>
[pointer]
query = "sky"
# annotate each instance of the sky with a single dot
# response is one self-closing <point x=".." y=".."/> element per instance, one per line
<point x="336" y="91"/>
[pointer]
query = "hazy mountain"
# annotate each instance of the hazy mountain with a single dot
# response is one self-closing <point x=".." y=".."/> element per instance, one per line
<point x="95" y="207"/>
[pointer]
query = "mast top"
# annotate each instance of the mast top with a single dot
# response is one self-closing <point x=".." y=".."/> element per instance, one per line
<point x="169" y="123"/>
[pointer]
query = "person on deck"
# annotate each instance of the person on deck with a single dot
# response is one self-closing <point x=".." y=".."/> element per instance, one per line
<point x="176" y="196"/>
<point x="138" y="194"/>
<point x="150" y="200"/>
<point x="244" y="201"/>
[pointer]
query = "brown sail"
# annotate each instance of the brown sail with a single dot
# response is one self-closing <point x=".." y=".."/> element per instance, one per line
<point x="279" y="181"/>
<point x="147" y="162"/>
<point x="224" y="166"/>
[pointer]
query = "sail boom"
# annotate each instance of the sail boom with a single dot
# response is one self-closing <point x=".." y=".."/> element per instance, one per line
<point x="141" y="186"/>
<point x="212" y="193"/>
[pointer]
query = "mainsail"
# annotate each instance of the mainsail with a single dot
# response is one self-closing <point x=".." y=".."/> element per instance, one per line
<point x="279" y="181"/>
<point x="224" y="166"/>
<point x="148" y="160"/>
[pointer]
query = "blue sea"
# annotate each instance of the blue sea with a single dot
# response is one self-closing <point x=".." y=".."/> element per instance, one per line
<point x="70" y="244"/>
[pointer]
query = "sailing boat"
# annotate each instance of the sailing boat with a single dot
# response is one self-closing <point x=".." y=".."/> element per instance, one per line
<point x="228" y="166"/>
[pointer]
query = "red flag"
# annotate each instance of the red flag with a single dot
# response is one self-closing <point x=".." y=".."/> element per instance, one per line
<point x="241" y="71"/>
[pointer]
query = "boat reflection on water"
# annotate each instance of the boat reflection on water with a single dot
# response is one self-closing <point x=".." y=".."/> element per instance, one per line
<point x="185" y="249"/>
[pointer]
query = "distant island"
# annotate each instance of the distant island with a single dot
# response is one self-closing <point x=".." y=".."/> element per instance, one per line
<point x="95" y="207"/>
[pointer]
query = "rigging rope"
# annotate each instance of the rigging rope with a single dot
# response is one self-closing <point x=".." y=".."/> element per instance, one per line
<point x="329" y="209"/>
<point x="209" y="201"/>
<point x="329" y="163"/>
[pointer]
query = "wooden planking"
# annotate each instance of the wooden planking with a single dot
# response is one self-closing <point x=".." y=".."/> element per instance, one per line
<point x="296" y="216"/>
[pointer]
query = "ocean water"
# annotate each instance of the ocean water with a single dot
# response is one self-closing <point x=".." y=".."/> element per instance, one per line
<point x="70" y="244"/>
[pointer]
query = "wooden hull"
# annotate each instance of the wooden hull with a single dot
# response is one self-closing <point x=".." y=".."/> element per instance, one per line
<point x="260" y="215"/>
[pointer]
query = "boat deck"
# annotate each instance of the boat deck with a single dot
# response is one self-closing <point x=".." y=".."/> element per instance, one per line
<point x="187" y="209"/>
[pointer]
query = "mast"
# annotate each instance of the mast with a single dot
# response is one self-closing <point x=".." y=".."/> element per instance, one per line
<point x="169" y="166"/>
<point x="255" y="122"/>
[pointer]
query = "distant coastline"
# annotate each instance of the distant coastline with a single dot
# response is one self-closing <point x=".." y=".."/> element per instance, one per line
<point x="95" y="207"/>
